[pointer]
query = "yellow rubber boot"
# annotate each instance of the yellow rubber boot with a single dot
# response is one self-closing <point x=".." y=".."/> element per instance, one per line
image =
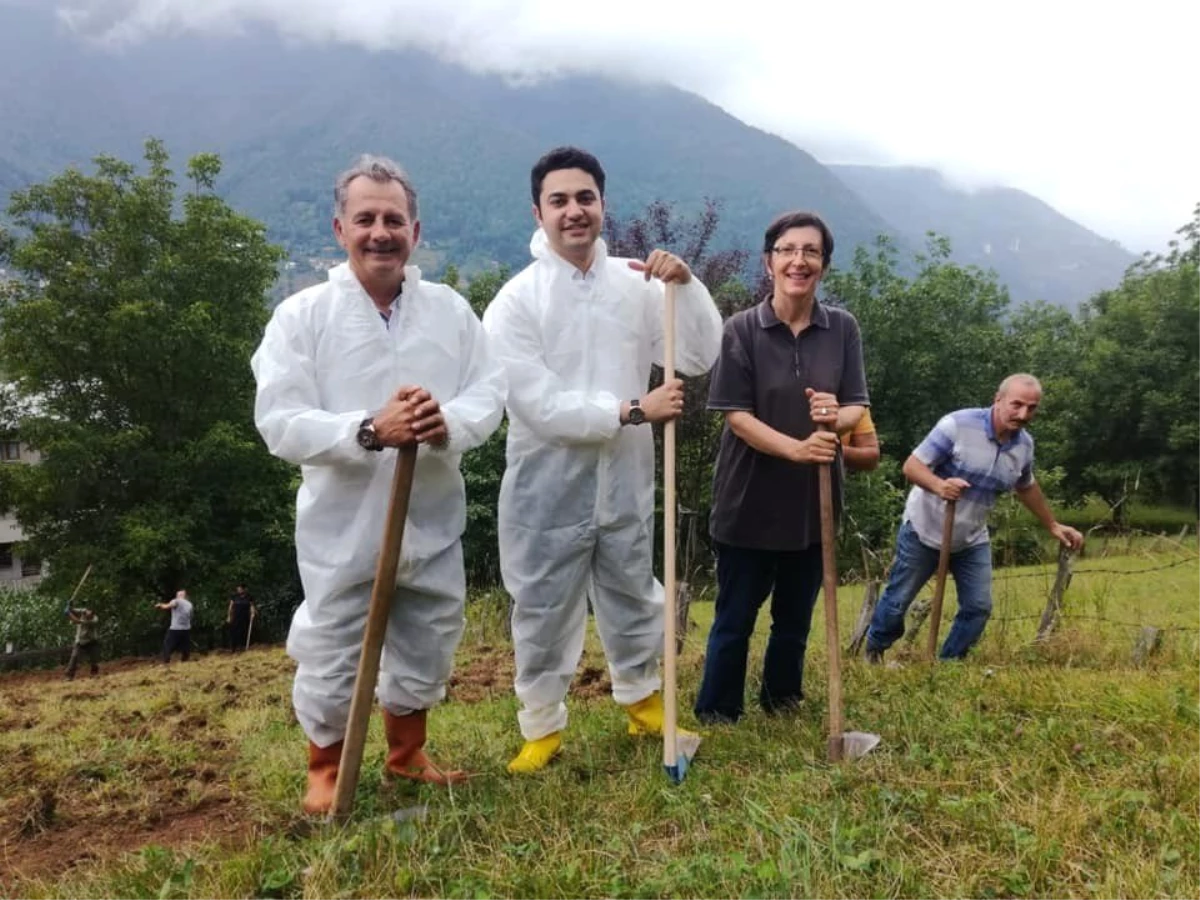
<point x="646" y="716"/>
<point x="536" y="755"/>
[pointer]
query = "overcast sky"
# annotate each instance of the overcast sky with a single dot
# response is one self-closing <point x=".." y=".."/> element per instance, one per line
<point x="1090" y="107"/>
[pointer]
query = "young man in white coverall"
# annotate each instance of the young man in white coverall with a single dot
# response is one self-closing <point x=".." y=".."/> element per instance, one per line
<point x="577" y="332"/>
<point x="372" y="360"/>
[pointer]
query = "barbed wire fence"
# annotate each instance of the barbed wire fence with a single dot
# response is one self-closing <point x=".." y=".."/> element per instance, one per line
<point x="1057" y="611"/>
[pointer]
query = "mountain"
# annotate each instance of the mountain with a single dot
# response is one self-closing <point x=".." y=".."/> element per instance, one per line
<point x="286" y="117"/>
<point x="1038" y="252"/>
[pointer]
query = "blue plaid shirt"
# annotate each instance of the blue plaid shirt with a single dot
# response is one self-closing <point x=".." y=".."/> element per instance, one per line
<point x="963" y="445"/>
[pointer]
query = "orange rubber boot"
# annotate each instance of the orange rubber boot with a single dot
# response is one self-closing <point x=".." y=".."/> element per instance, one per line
<point x="406" y="757"/>
<point x="322" y="777"/>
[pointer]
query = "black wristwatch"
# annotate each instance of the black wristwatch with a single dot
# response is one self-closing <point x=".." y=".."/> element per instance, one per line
<point x="637" y="415"/>
<point x="367" y="438"/>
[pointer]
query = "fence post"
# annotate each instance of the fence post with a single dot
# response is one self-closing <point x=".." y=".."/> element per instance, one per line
<point x="683" y="603"/>
<point x="917" y="614"/>
<point x="870" y="598"/>
<point x="1148" y="642"/>
<point x="1062" y="581"/>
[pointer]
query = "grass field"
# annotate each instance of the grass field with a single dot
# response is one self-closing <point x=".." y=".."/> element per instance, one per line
<point x="1061" y="769"/>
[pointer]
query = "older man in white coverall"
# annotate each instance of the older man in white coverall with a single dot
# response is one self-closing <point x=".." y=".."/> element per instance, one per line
<point x="577" y="332"/>
<point x="372" y="360"/>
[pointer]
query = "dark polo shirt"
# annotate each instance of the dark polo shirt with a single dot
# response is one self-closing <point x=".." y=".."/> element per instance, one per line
<point x="760" y="501"/>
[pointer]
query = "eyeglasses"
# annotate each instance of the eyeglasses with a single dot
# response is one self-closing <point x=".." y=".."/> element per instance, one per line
<point x="812" y="254"/>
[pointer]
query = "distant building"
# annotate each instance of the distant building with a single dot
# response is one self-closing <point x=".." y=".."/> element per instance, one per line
<point x="15" y="569"/>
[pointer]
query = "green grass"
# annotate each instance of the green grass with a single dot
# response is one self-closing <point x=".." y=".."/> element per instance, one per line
<point x="1138" y="516"/>
<point x="1053" y="770"/>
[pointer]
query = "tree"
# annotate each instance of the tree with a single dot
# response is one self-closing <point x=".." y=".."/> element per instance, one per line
<point x="128" y="332"/>
<point x="483" y="467"/>
<point x="1134" y="417"/>
<point x="698" y="432"/>
<point x="931" y="344"/>
<point x="1045" y="341"/>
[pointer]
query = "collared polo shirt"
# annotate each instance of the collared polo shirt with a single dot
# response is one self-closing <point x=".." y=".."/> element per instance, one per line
<point x="761" y="501"/>
<point x="963" y="445"/>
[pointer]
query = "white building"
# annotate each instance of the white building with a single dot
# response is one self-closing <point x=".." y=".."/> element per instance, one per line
<point x="13" y="568"/>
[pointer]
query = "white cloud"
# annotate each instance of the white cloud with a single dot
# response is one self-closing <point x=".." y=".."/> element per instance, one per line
<point x="1082" y="104"/>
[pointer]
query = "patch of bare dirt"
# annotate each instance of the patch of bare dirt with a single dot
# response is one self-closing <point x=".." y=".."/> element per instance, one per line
<point x="64" y="804"/>
<point x="487" y="673"/>
<point x="47" y="850"/>
<point x="86" y="682"/>
<point x="591" y="682"/>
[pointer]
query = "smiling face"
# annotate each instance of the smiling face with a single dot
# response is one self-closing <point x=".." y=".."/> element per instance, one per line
<point x="571" y="212"/>
<point x="797" y="263"/>
<point x="378" y="233"/>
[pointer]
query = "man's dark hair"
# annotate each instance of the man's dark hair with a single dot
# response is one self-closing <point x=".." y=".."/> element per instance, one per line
<point x="800" y="220"/>
<point x="564" y="158"/>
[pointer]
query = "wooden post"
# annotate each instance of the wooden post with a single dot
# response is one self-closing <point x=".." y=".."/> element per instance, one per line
<point x="382" y="596"/>
<point x="1062" y="581"/>
<point x="1148" y="642"/>
<point x="863" y="624"/>
<point x="917" y="614"/>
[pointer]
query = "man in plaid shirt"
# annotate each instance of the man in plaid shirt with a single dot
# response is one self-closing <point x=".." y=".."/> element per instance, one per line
<point x="971" y="457"/>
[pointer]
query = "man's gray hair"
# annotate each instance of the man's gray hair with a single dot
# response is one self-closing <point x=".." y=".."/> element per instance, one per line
<point x="377" y="168"/>
<point x="1018" y="378"/>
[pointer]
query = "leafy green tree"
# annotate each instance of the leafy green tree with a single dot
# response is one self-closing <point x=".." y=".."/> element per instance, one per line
<point x="128" y="331"/>
<point x="1134" y="417"/>
<point x="1045" y="341"/>
<point x="698" y="432"/>
<point x="483" y="467"/>
<point x="932" y="343"/>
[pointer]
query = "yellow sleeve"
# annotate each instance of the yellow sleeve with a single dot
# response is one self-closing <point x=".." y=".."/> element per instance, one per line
<point x="864" y="426"/>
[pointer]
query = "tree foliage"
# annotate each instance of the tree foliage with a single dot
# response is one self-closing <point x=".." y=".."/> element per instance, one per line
<point x="128" y="332"/>
<point x="931" y="343"/>
<point x="1134" y="419"/>
<point x="698" y="432"/>
<point x="483" y="467"/>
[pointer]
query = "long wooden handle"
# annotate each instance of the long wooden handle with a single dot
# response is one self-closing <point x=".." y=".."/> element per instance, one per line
<point x="670" y="750"/>
<point x="373" y="634"/>
<point x="939" y="586"/>
<point x="78" y="587"/>
<point x="829" y="577"/>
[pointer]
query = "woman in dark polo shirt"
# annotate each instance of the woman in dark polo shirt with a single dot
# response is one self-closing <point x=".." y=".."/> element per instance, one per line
<point x="787" y="365"/>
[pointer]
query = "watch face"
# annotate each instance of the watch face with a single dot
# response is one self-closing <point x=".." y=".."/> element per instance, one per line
<point x="367" y="439"/>
<point x="637" y="415"/>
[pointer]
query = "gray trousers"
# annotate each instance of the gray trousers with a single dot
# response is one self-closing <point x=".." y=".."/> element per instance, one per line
<point x="91" y="650"/>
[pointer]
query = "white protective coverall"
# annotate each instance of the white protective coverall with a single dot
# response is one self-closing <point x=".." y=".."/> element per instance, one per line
<point x="326" y="362"/>
<point x="576" y="508"/>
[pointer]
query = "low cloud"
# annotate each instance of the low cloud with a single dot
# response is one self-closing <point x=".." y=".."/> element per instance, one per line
<point x="1084" y="109"/>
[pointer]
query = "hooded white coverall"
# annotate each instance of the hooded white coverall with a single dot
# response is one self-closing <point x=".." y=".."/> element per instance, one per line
<point x="576" y="508"/>
<point x="326" y="362"/>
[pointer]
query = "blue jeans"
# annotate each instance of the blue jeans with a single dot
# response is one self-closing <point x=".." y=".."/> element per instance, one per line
<point x="744" y="579"/>
<point x="914" y="565"/>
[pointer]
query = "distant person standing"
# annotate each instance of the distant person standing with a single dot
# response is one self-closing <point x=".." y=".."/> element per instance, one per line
<point x="241" y="612"/>
<point x="179" y="635"/>
<point x="87" y="643"/>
